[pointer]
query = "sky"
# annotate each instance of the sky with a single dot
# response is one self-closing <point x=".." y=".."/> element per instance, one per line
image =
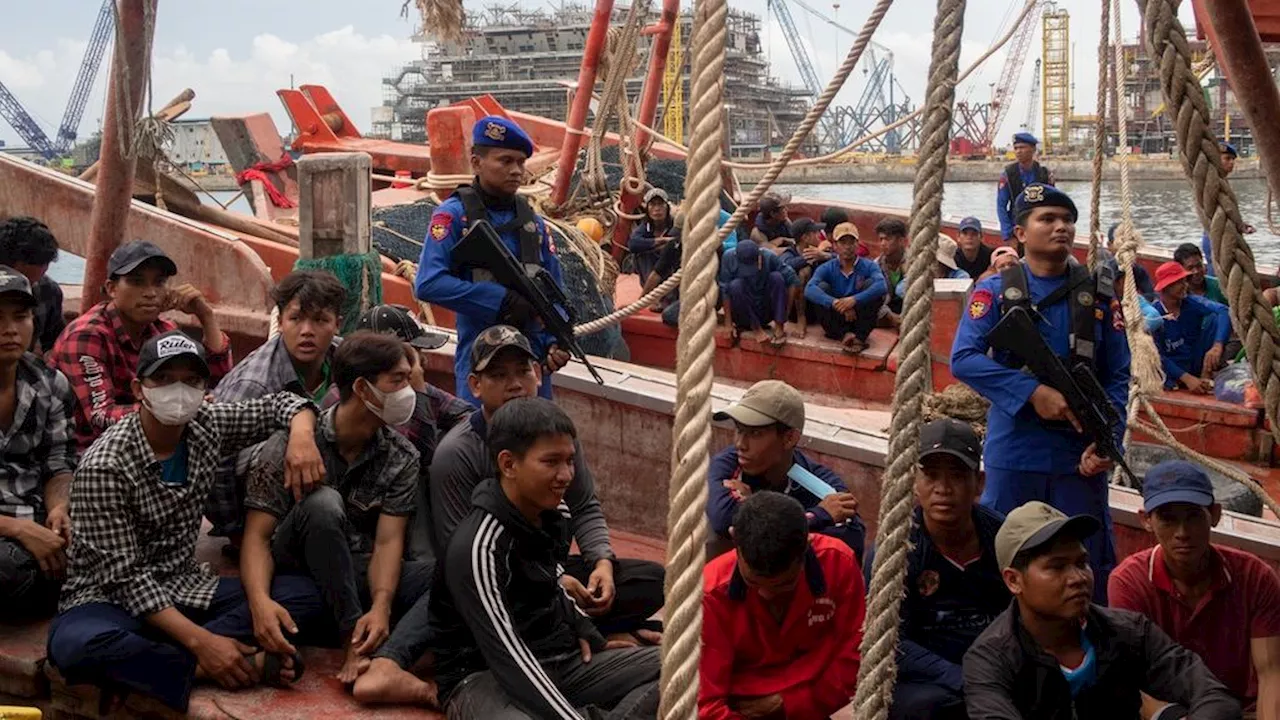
<point x="236" y="53"/>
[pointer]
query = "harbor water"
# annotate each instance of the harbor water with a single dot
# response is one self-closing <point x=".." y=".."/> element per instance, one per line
<point x="1163" y="210"/>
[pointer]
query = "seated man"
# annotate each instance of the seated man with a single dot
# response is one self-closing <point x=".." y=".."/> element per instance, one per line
<point x="847" y="292"/>
<point x="768" y="422"/>
<point x="773" y="226"/>
<point x="1140" y="275"/>
<point x="1198" y="282"/>
<point x="509" y="641"/>
<point x="138" y="612"/>
<point x="1054" y="654"/>
<point x="946" y="267"/>
<point x="347" y="534"/>
<point x="40" y="455"/>
<point x="754" y="285"/>
<point x="953" y="584"/>
<point x="653" y="233"/>
<point x="1219" y="602"/>
<point x="892" y="234"/>
<point x="1194" y="334"/>
<point x="27" y="245"/>
<point x="801" y="669"/>
<point x="98" y="351"/>
<point x="972" y="255"/>
<point x="810" y="250"/>
<point x="297" y="359"/>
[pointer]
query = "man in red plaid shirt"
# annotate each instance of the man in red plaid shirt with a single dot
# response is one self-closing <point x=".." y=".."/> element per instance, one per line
<point x="98" y="351"/>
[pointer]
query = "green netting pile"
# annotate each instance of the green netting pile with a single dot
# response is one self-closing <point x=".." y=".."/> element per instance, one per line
<point x="360" y="274"/>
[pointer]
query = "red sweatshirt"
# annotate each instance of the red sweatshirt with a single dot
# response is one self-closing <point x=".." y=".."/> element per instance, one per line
<point x="811" y="659"/>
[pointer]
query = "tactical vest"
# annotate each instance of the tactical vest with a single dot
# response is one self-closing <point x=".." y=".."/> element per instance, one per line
<point x="525" y="220"/>
<point x="1013" y="178"/>
<point x="1087" y="295"/>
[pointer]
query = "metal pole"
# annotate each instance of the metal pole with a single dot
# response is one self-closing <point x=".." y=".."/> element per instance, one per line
<point x="596" y="38"/>
<point x="1234" y="38"/>
<point x="113" y="192"/>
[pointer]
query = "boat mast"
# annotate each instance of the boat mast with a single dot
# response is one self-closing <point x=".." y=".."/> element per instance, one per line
<point x="114" y="185"/>
<point x="596" y="39"/>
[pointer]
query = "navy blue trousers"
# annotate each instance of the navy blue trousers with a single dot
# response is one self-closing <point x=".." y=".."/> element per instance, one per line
<point x="1070" y="493"/>
<point x="754" y="304"/>
<point x="102" y="644"/>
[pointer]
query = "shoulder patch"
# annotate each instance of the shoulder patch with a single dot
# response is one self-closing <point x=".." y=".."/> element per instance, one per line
<point x="1003" y="180"/>
<point x="440" y="224"/>
<point x="551" y="239"/>
<point x="1117" y="316"/>
<point x="980" y="303"/>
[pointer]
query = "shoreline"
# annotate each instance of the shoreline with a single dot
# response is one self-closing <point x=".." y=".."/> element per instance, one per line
<point x="904" y="170"/>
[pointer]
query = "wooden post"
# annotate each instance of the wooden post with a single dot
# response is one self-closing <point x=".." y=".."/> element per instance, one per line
<point x="334" y="210"/>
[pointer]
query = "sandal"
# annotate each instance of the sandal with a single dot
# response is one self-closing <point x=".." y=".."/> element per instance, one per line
<point x="273" y="665"/>
<point x="853" y="347"/>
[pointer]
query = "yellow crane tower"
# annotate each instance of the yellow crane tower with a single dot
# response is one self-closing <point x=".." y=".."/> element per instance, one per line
<point x="673" y="88"/>
<point x="1056" y="77"/>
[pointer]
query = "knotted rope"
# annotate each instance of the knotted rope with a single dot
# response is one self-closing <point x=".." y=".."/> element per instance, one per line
<point x="258" y="171"/>
<point x="912" y="383"/>
<point x="695" y="350"/>
<point x="1099" y="142"/>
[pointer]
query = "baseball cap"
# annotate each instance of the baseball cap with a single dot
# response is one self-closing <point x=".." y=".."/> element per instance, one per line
<point x="162" y="348"/>
<point x="1228" y="148"/>
<point x="1169" y="273"/>
<point x="1176" y="481"/>
<point x="12" y="281"/>
<point x="947" y="251"/>
<point x="806" y="225"/>
<point x="949" y="436"/>
<point x="1003" y="250"/>
<point x="765" y="403"/>
<point x="396" y="320"/>
<point x="495" y="339"/>
<point x="748" y="252"/>
<point x="657" y="193"/>
<point x="971" y="223"/>
<point x="844" y="229"/>
<point x="1036" y="524"/>
<point x="126" y="258"/>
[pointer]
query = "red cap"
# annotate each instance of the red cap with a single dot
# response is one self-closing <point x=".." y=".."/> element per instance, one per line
<point x="1168" y="274"/>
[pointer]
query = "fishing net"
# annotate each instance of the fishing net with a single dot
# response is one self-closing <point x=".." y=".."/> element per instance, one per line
<point x="398" y="230"/>
<point x="360" y="274"/>
<point x="660" y="172"/>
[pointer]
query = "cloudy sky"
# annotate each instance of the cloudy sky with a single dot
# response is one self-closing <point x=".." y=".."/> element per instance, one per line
<point x="236" y="53"/>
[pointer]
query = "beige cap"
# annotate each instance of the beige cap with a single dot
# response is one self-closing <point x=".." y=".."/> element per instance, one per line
<point x="1034" y="524"/>
<point x="947" y="251"/>
<point x="844" y="229"/>
<point x="765" y="403"/>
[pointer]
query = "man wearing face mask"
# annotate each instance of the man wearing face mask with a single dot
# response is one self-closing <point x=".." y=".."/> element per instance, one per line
<point x="349" y="533"/>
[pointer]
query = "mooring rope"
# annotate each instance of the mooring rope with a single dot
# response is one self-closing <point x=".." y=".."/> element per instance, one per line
<point x="1099" y="140"/>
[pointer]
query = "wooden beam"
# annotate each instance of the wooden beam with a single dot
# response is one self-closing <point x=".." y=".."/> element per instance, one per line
<point x="335" y="193"/>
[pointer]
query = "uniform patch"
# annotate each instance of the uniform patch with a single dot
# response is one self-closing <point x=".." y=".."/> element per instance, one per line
<point x="1117" y="316"/>
<point x="1034" y="193"/>
<point x="1013" y="294"/>
<point x="440" y="223"/>
<point x="495" y="132"/>
<point x="980" y="304"/>
<point x="1085" y="299"/>
<point x="928" y="583"/>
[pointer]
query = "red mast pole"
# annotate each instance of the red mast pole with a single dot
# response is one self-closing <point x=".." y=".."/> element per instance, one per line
<point x="114" y="189"/>
<point x="596" y="38"/>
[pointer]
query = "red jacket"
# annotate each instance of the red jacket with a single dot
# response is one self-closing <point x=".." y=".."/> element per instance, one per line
<point x="811" y="660"/>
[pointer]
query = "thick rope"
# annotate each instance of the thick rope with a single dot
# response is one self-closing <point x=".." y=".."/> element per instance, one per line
<point x="1099" y="141"/>
<point x="695" y="350"/>
<point x="913" y="381"/>
<point x="441" y="19"/>
<point x="1215" y="201"/>
<point x="793" y="145"/>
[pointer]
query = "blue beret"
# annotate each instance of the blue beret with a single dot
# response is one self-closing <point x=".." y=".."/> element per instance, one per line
<point x="1039" y="195"/>
<point x="1025" y="137"/>
<point x="497" y="131"/>
<point x="1229" y="149"/>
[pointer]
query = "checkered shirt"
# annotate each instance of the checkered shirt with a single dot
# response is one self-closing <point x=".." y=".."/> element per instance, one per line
<point x="100" y="359"/>
<point x="134" y="538"/>
<point x="38" y="446"/>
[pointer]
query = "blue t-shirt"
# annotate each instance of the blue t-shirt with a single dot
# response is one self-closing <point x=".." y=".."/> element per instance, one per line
<point x="173" y="471"/>
<point x="865" y="283"/>
<point x="1184" y="340"/>
<point x="1086" y="675"/>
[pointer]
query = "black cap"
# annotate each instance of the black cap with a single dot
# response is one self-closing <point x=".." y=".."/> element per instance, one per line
<point x="130" y="255"/>
<point x="395" y="319"/>
<point x="949" y="436"/>
<point x="495" y="339"/>
<point x="14" y="282"/>
<point x="806" y="225"/>
<point x="165" y="347"/>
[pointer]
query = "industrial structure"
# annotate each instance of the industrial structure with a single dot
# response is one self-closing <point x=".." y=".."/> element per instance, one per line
<point x="1055" y="56"/>
<point x="528" y="60"/>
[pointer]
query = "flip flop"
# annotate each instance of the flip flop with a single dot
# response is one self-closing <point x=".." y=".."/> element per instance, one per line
<point x="853" y="347"/>
<point x="273" y="665"/>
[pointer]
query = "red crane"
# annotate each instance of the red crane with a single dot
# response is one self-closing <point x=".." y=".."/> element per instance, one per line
<point x="1009" y="75"/>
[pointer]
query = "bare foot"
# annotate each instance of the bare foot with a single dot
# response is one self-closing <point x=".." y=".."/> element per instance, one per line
<point x="777" y="336"/>
<point x="761" y="336"/>
<point x="798" y="330"/>
<point x="649" y="637"/>
<point x="386" y="682"/>
<point x="350" y="669"/>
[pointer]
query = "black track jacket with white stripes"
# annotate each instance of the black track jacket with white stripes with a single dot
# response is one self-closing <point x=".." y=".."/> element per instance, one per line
<point x="505" y="608"/>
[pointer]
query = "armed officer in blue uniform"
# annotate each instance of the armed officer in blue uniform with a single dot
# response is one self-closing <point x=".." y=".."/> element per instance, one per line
<point x="1016" y="176"/>
<point x="1034" y="449"/>
<point x="499" y="149"/>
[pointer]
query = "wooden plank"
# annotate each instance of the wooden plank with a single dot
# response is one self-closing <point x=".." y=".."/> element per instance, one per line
<point x="335" y="194"/>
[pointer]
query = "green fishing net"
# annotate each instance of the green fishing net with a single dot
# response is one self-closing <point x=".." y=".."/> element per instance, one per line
<point x="360" y="274"/>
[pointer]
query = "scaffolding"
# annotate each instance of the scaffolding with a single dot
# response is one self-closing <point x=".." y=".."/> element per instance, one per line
<point x="673" y="89"/>
<point x="1056" y="78"/>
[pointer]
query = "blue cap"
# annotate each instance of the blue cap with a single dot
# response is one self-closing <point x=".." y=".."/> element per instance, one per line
<point x="1229" y="149"/>
<point x="1040" y="195"/>
<point x="748" y="252"/>
<point x="1176" y="481"/>
<point x="1025" y="137"/>
<point x="497" y="131"/>
<point x="971" y="223"/>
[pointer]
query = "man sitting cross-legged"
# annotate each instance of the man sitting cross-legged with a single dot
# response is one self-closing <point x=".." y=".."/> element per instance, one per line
<point x="348" y="533"/>
<point x="138" y="612"/>
<point x="782" y="619"/>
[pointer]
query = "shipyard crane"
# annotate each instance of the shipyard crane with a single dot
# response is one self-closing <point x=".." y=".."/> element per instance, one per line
<point x="1034" y="102"/>
<point x="804" y="64"/>
<point x="27" y="128"/>
<point x="1009" y="75"/>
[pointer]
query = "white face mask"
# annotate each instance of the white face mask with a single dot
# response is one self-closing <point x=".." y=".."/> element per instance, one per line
<point x="175" y="404"/>
<point x="397" y="407"/>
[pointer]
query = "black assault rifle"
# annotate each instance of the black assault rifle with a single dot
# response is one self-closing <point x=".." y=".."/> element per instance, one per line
<point x="1016" y="333"/>
<point x="482" y="248"/>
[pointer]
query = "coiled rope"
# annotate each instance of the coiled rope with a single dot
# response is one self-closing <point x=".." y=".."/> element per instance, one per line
<point x="912" y="382"/>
